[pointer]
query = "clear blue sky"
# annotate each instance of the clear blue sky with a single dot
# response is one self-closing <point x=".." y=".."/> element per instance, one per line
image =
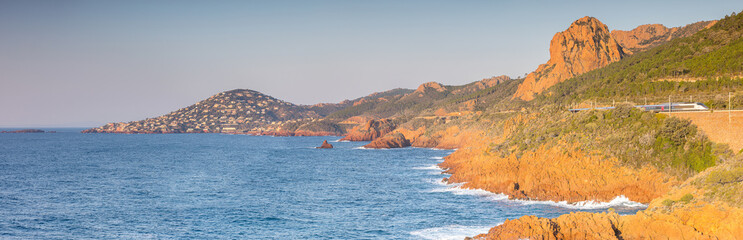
<point x="85" y="63"/>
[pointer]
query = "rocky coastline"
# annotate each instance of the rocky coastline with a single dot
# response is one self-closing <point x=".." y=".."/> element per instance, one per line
<point x="516" y="136"/>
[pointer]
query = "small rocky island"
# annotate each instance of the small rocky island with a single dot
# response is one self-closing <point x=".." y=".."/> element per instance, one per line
<point x="325" y="144"/>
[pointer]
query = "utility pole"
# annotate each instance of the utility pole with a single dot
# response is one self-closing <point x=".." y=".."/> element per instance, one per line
<point x="670" y="111"/>
<point x="613" y="103"/>
<point x="730" y="106"/>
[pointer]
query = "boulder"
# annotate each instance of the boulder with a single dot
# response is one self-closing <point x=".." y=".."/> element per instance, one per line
<point x="373" y="129"/>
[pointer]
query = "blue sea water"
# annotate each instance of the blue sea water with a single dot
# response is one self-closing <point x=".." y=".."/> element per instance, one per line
<point x="68" y="185"/>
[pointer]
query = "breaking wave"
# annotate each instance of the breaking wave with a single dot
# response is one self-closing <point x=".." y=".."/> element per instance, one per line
<point x="618" y="202"/>
<point x="429" y="167"/>
<point x="452" y="231"/>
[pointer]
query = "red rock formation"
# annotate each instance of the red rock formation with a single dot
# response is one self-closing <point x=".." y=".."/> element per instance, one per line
<point x="373" y="129"/>
<point x="325" y="144"/>
<point x="430" y="86"/>
<point x="392" y="140"/>
<point x="586" y="45"/>
<point x="651" y="35"/>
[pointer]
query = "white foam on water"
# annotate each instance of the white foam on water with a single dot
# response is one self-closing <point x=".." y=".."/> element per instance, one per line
<point x="619" y="201"/>
<point x="437" y="181"/>
<point x="341" y="141"/>
<point x="454" y="231"/>
<point x="429" y="167"/>
<point x="384" y="149"/>
<point x="456" y="189"/>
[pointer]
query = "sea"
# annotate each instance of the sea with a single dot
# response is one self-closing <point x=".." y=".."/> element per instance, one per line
<point x="70" y="185"/>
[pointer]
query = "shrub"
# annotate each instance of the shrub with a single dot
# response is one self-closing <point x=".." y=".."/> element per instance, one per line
<point x="686" y="198"/>
<point x="668" y="202"/>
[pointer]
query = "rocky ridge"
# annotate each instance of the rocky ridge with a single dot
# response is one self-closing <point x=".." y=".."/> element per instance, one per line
<point x="651" y="35"/>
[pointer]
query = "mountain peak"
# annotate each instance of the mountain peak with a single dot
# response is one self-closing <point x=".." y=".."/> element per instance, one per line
<point x="586" y="45"/>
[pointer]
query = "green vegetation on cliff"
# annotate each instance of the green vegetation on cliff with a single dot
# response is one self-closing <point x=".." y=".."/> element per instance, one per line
<point x="636" y="138"/>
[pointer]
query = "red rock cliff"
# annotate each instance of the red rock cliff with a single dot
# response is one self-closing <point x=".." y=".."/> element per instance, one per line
<point x="586" y="45"/>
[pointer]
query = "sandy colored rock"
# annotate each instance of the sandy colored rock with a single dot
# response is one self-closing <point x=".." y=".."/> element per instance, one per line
<point x="586" y="45"/>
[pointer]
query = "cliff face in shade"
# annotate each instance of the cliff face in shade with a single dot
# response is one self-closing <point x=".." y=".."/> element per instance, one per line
<point x="651" y="35"/>
<point x="586" y="45"/>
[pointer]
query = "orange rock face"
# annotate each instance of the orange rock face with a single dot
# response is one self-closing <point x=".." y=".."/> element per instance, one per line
<point x="586" y="45"/>
<point x="392" y="140"/>
<point x="373" y="129"/>
<point x="556" y="175"/>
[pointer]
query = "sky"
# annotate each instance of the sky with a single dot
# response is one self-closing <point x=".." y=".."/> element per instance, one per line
<point x="85" y="63"/>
